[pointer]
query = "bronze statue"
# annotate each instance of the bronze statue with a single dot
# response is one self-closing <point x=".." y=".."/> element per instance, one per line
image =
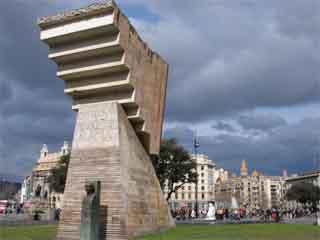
<point x="89" y="229"/>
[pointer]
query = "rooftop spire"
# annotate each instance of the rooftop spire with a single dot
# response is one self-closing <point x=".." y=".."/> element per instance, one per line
<point x="244" y="169"/>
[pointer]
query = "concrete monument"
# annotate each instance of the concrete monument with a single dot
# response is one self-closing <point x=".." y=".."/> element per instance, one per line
<point x="118" y="87"/>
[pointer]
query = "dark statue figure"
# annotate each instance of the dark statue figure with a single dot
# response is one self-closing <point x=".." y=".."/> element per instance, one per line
<point x="90" y="212"/>
<point x="38" y="191"/>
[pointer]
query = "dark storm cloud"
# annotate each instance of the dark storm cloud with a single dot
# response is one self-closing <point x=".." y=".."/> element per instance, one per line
<point x="221" y="125"/>
<point x="305" y="20"/>
<point x="260" y="121"/>
<point x="225" y="57"/>
<point x="229" y="56"/>
<point x="23" y="56"/>
<point x="5" y="91"/>
<point x="292" y="146"/>
<point x="33" y="108"/>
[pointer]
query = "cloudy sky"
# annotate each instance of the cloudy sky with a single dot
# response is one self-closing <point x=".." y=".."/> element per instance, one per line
<point x="244" y="74"/>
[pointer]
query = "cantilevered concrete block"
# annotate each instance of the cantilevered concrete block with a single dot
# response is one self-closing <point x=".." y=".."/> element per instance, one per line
<point x="101" y="58"/>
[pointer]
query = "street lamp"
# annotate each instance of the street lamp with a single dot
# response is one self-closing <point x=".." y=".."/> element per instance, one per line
<point x="317" y="167"/>
<point x="196" y="145"/>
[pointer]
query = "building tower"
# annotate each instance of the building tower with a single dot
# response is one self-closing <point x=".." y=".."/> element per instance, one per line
<point x="244" y="169"/>
<point x="65" y="149"/>
<point x="44" y="151"/>
<point x="255" y="173"/>
<point x="285" y="173"/>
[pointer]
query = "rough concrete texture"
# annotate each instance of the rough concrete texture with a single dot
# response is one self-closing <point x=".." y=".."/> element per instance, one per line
<point x="101" y="58"/>
<point x="107" y="149"/>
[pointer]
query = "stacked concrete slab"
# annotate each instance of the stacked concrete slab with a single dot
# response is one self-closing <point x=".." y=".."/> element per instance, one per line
<point x="118" y="87"/>
<point x="101" y="58"/>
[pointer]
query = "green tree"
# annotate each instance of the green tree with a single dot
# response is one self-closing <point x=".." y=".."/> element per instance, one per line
<point x="58" y="175"/>
<point x="174" y="166"/>
<point x="304" y="193"/>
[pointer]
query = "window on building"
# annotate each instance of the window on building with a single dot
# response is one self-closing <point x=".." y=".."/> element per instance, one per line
<point x="182" y="188"/>
<point x="176" y="195"/>
<point x="202" y="174"/>
<point x="202" y="188"/>
<point x="189" y="188"/>
<point x="202" y="196"/>
<point x="202" y="181"/>
<point x="182" y="196"/>
<point x="202" y="168"/>
<point x="189" y="196"/>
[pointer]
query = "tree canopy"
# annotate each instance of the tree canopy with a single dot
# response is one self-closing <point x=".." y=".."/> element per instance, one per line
<point x="174" y="166"/>
<point x="58" y="175"/>
<point x="304" y="193"/>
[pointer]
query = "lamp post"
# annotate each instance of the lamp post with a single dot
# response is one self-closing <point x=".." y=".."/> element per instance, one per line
<point x="317" y="167"/>
<point x="318" y="184"/>
<point x="196" y="145"/>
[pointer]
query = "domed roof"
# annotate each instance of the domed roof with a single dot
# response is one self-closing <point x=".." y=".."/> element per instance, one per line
<point x="255" y="173"/>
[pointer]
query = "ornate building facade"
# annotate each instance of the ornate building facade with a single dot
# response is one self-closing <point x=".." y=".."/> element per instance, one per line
<point x="40" y="187"/>
<point x="253" y="192"/>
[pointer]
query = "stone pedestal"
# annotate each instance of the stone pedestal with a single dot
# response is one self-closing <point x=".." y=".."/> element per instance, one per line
<point x="106" y="148"/>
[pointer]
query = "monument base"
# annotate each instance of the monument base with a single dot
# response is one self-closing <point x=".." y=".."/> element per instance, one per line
<point x="107" y="149"/>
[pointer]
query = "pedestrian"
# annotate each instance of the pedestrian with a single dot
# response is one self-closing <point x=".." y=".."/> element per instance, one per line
<point x="57" y="214"/>
<point x="193" y="214"/>
<point x="226" y="213"/>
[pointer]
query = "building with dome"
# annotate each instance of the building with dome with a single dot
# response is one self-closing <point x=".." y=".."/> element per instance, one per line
<point x="38" y="183"/>
<point x="253" y="191"/>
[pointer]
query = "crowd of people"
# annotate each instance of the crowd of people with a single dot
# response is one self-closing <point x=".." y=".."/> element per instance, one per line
<point x="19" y="209"/>
<point x="274" y="214"/>
<point x="298" y="213"/>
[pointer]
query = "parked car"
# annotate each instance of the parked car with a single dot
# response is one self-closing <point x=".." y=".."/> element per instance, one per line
<point x="7" y="207"/>
<point x="3" y="207"/>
